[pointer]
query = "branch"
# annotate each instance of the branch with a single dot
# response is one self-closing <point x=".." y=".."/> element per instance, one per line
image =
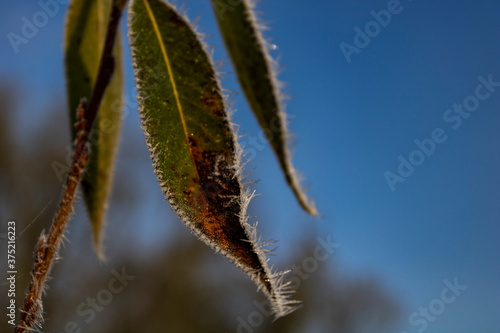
<point x="107" y="64"/>
<point x="48" y="245"/>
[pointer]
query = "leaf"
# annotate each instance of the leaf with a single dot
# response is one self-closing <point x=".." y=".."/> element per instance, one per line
<point x="252" y="61"/>
<point x="86" y="25"/>
<point x="191" y="140"/>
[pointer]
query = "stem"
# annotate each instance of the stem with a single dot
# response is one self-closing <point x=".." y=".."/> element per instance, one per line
<point x="107" y="64"/>
<point x="48" y="245"/>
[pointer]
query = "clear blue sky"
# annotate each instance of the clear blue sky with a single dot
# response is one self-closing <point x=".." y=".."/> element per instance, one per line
<point x="353" y="120"/>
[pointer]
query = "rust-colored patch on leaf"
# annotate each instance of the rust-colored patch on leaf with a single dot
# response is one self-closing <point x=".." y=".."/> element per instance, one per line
<point x="192" y="141"/>
<point x="220" y="206"/>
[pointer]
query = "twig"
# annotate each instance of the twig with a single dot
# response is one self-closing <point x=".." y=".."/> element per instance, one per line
<point x="48" y="245"/>
<point x="107" y="64"/>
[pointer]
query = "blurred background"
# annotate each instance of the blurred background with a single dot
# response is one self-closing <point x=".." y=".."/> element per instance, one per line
<point x="418" y="255"/>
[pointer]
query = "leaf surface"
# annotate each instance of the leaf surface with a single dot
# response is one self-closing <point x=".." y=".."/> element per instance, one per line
<point x="254" y="69"/>
<point x="191" y="140"/>
<point x="85" y="32"/>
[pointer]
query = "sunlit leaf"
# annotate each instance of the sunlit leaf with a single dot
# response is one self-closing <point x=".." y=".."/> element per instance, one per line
<point x="86" y="24"/>
<point x="191" y="140"/>
<point x="253" y="65"/>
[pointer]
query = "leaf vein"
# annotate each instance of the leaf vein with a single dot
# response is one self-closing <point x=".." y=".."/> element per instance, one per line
<point x="172" y="81"/>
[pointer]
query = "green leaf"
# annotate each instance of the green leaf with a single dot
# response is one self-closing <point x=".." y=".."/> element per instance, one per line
<point x="86" y="25"/>
<point x="192" y="142"/>
<point x="252" y="61"/>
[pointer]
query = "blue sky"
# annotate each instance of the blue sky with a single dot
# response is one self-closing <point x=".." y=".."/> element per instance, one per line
<point x="352" y="121"/>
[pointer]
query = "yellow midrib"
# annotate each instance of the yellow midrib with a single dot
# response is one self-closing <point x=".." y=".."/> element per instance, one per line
<point x="172" y="81"/>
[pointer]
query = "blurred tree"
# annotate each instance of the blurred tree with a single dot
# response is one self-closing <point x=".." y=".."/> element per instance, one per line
<point x="178" y="287"/>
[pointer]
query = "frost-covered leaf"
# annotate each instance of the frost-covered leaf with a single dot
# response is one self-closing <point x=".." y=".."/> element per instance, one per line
<point x="86" y="25"/>
<point x="253" y="65"/>
<point x="191" y="140"/>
